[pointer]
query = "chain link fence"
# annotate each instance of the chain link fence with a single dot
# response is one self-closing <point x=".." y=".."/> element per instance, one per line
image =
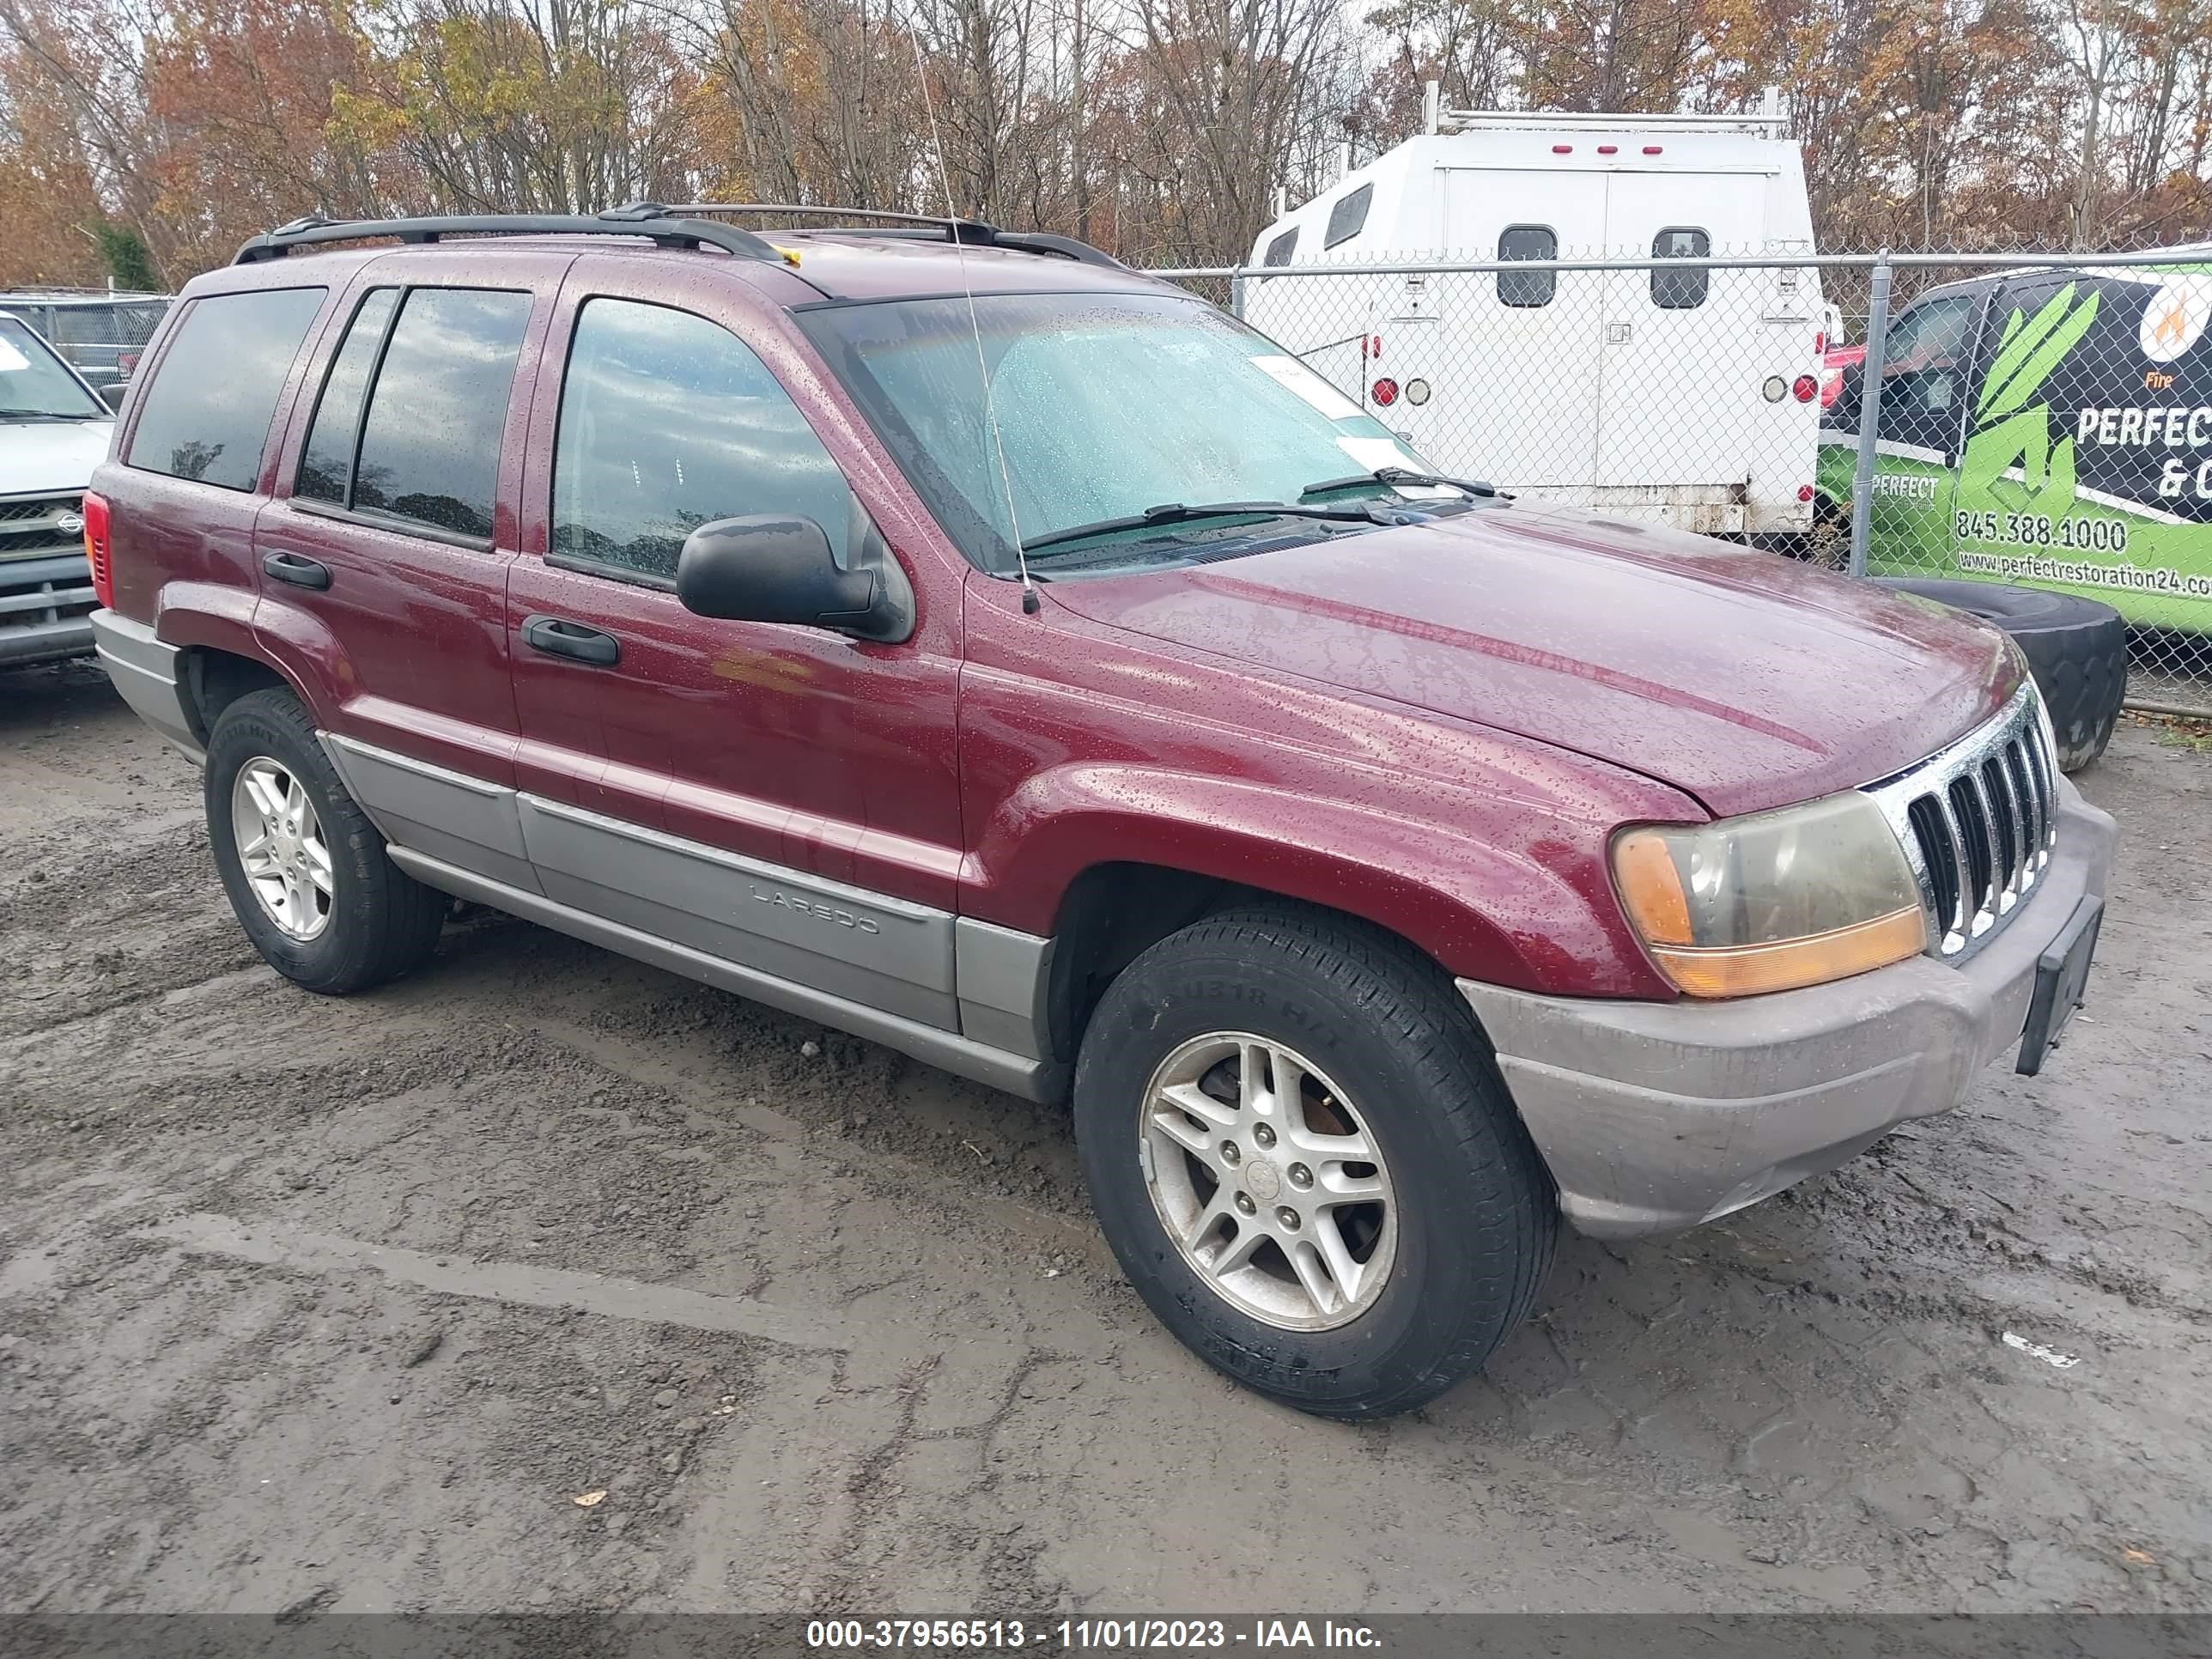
<point x="2044" y="421"/>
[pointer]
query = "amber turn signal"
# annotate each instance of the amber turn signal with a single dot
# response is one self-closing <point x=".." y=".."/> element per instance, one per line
<point x="1747" y="970"/>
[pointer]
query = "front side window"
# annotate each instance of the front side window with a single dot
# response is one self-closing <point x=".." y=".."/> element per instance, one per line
<point x="206" y="416"/>
<point x="1679" y="291"/>
<point x="1527" y="288"/>
<point x="669" y="421"/>
<point x="430" y="444"/>
<point x="33" y="384"/>
<point x="1347" y="216"/>
<point x="1107" y="404"/>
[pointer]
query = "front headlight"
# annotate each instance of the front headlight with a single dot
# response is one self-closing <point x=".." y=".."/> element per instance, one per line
<point x="1772" y="901"/>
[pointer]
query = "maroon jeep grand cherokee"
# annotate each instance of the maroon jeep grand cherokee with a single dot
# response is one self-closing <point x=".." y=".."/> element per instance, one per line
<point x="1388" y="870"/>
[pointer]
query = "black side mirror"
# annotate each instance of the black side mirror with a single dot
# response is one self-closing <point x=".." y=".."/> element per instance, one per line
<point x="112" y="395"/>
<point x="774" y="568"/>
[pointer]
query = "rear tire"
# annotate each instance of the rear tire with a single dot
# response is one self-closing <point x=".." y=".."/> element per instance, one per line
<point x="2076" y="648"/>
<point x="1398" y="1151"/>
<point x="322" y="903"/>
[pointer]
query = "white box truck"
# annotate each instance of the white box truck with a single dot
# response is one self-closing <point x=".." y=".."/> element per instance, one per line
<point x="1690" y="397"/>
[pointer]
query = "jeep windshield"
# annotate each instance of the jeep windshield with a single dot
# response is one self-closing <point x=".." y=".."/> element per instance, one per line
<point x="34" y="386"/>
<point x="1121" y="417"/>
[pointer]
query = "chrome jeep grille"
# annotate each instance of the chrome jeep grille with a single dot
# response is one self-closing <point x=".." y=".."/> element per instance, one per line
<point x="1977" y="821"/>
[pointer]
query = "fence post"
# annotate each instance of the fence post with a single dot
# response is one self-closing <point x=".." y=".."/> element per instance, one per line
<point x="1237" y="294"/>
<point x="1877" y="340"/>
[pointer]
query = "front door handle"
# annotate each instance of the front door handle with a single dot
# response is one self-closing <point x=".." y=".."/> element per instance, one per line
<point x="300" y="572"/>
<point x="557" y="636"/>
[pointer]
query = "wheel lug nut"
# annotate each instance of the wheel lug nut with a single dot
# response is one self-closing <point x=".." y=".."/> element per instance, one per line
<point x="1229" y="1152"/>
<point x="1289" y="1218"/>
<point x="1245" y="1203"/>
<point x="1264" y="1136"/>
<point x="1300" y="1175"/>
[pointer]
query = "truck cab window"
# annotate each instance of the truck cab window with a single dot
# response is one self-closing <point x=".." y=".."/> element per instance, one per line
<point x="1680" y="290"/>
<point x="1528" y="288"/>
<point x="1347" y="216"/>
<point x="1923" y="373"/>
<point x="1280" y="250"/>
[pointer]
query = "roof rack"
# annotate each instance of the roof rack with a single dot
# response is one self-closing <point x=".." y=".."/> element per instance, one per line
<point x="648" y="219"/>
<point x="968" y="233"/>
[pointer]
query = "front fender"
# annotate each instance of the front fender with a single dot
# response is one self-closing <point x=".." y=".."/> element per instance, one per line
<point x="1532" y="913"/>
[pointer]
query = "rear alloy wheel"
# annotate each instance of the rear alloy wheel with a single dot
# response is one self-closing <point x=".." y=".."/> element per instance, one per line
<point x="305" y="869"/>
<point x="281" y="850"/>
<point x="1297" y="1143"/>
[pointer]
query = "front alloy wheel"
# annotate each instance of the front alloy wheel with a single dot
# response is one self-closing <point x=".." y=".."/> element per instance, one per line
<point x="1268" y="1181"/>
<point x="281" y="848"/>
<point x="1298" y="1145"/>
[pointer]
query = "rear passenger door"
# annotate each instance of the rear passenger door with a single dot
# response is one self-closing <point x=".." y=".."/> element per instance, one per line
<point x="777" y="796"/>
<point x="383" y="560"/>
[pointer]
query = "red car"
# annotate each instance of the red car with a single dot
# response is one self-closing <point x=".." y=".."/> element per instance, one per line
<point x="987" y="649"/>
<point x="1834" y="360"/>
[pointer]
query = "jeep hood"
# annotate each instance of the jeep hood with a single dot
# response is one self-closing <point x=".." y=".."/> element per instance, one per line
<point x="1742" y="678"/>
<point x="40" y="458"/>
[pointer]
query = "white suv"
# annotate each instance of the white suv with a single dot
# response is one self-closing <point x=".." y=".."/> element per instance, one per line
<point x="54" y="429"/>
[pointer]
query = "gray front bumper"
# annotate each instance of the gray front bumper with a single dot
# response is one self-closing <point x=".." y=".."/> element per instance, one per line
<point x="1657" y="1116"/>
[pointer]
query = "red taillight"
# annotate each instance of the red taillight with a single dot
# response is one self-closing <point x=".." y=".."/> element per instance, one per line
<point x="1804" y="492"/>
<point x="95" y="549"/>
<point x="1386" y="392"/>
<point x="1562" y="150"/>
<point x="1653" y="149"/>
<point x="1805" y="388"/>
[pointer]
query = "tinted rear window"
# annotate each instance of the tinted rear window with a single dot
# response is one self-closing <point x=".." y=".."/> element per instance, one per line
<point x="430" y="450"/>
<point x="1349" y="214"/>
<point x="1679" y="291"/>
<point x="206" y="414"/>
<point x="1528" y="288"/>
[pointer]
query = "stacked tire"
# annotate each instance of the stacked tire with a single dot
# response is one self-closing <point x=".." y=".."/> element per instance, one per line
<point x="2076" y="648"/>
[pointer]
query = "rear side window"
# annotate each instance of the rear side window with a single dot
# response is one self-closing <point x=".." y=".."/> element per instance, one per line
<point x="1280" y="250"/>
<point x="1679" y="291"/>
<point x="326" y="464"/>
<point x="206" y="414"/>
<point x="437" y="408"/>
<point x="667" y="422"/>
<point x="1528" y="288"/>
<point x="1346" y="217"/>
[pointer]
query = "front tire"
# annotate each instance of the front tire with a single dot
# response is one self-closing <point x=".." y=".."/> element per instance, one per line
<point x="1300" y="1149"/>
<point x="305" y="869"/>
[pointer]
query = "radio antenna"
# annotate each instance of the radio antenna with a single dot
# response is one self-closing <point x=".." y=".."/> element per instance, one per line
<point x="1030" y="602"/>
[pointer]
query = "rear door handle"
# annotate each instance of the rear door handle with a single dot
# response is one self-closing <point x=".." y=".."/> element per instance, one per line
<point x="557" y="636"/>
<point x="300" y="573"/>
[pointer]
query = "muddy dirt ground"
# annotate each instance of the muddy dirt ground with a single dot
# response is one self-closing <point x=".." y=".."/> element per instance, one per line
<point x="310" y="1304"/>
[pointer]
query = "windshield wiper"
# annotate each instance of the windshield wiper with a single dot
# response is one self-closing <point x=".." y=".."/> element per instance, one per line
<point x="1179" y="513"/>
<point x="43" y="415"/>
<point x="1394" y="475"/>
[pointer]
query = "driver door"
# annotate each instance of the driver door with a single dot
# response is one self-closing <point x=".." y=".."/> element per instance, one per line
<point x="775" y="796"/>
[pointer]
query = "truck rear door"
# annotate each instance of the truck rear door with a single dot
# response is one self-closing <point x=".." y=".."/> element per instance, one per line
<point x="1685" y="352"/>
<point x="1515" y="371"/>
